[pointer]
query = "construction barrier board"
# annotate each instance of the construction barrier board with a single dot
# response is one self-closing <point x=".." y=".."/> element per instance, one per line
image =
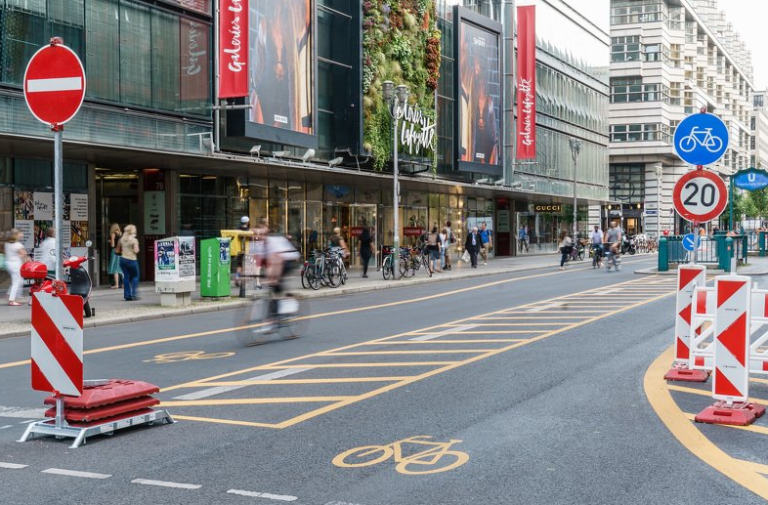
<point x="732" y="332"/>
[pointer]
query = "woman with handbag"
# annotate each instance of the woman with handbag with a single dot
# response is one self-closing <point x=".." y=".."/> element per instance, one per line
<point x="114" y="255"/>
<point x="129" y="264"/>
<point x="15" y="256"/>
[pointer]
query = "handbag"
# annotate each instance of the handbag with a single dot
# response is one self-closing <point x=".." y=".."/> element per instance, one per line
<point x="119" y="249"/>
<point x="465" y="257"/>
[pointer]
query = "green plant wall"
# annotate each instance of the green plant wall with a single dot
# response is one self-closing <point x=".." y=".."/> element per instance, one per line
<point x="401" y="43"/>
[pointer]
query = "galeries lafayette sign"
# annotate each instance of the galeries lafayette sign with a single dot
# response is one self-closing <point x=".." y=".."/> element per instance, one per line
<point x="233" y="48"/>
<point x="417" y="130"/>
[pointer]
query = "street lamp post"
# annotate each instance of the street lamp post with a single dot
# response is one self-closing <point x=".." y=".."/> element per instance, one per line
<point x="396" y="98"/>
<point x="575" y="150"/>
<point x="659" y="173"/>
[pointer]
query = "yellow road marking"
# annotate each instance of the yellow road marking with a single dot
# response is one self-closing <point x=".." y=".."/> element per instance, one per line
<point x="704" y="392"/>
<point x="254" y="401"/>
<point x="440" y="341"/>
<point x="225" y="421"/>
<point x="336" y="380"/>
<point x="753" y="428"/>
<point x="505" y="324"/>
<point x="487" y="332"/>
<point x="535" y="318"/>
<point x="312" y="316"/>
<point x="356" y="365"/>
<point x="689" y="435"/>
<point x="422" y="351"/>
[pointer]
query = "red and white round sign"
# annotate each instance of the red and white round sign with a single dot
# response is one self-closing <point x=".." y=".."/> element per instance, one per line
<point x="700" y="196"/>
<point x="54" y="84"/>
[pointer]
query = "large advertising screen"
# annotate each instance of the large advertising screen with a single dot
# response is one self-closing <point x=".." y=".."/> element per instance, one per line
<point x="479" y="85"/>
<point x="281" y="65"/>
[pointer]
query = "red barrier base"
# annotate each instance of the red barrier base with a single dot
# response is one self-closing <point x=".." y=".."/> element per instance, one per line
<point x="684" y="374"/>
<point x="737" y="414"/>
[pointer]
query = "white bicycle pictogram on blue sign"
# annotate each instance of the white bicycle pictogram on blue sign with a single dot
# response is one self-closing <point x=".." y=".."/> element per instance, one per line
<point x="702" y="137"/>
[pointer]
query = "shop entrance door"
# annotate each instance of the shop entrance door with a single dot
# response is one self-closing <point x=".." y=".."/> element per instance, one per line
<point x="118" y="197"/>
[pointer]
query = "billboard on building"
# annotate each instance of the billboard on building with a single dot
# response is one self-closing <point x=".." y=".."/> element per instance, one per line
<point x="479" y="95"/>
<point x="281" y="69"/>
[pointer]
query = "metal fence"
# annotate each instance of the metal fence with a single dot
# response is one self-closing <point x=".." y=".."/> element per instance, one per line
<point x="711" y="250"/>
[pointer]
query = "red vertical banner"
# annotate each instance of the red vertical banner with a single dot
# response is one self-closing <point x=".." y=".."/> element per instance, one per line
<point x="193" y="44"/>
<point x="233" y="48"/>
<point x="526" y="82"/>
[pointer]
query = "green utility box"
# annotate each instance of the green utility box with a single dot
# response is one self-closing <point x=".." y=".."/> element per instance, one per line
<point x="214" y="267"/>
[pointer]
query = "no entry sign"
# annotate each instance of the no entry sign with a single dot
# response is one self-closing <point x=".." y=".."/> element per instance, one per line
<point x="54" y="84"/>
<point x="700" y="196"/>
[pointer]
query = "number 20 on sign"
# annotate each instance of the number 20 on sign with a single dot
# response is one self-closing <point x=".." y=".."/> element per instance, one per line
<point x="700" y="196"/>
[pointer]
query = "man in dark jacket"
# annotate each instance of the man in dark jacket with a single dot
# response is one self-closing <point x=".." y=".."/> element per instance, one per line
<point x="472" y="245"/>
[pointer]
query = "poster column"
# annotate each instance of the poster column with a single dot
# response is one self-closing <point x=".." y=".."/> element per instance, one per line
<point x="526" y="82"/>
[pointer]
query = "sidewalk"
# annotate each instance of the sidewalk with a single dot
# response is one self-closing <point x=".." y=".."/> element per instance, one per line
<point x="112" y="309"/>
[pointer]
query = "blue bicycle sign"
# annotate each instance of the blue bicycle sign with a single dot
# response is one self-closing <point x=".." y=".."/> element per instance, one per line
<point x="701" y="139"/>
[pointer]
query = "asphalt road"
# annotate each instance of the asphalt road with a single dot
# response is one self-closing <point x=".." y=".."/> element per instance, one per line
<point x="529" y="385"/>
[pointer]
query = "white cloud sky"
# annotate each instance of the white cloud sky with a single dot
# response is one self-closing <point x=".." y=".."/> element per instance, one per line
<point x="749" y="20"/>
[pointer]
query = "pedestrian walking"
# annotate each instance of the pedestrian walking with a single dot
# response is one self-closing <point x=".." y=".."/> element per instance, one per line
<point x="448" y="245"/>
<point x="472" y="246"/>
<point x="15" y="256"/>
<point x="486" y="241"/>
<point x="366" y="249"/>
<point x="336" y="240"/>
<point x="114" y="257"/>
<point x="566" y="245"/>
<point x="443" y="247"/>
<point x="523" y="238"/>
<point x="129" y="264"/>
<point x="433" y="246"/>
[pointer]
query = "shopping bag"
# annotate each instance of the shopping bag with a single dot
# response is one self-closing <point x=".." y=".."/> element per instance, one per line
<point x="465" y="257"/>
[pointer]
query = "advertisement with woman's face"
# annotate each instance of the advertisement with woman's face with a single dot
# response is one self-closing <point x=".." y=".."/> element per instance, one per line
<point x="480" y="86"/>
<point x="280" y="66"/>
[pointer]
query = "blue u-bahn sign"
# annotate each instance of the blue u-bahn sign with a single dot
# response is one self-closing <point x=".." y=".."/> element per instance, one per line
<point x="701" y="139"/>
<point x="750" y="179"/>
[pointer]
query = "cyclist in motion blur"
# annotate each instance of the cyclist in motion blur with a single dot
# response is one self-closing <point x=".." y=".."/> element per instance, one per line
<point x="613" y="239"/>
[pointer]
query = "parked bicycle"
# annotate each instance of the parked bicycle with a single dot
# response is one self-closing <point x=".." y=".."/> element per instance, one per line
<point x="387" y="268"/>
<point x="324" y="268"/>
<point x="417" y="257"/>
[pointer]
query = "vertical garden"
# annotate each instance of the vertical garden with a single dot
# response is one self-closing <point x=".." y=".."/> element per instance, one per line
<point x="401" y="43"/>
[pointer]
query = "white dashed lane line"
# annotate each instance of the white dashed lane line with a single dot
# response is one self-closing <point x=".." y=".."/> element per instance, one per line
<point x="443" y="333"/>
<point x="268" y="496"/>
<point x="6" y="427"/>
<point x="162" y="483"/>
<point x="206" y="393"/>
<point x="11" y="466"/>
<point x="75" y="473"/>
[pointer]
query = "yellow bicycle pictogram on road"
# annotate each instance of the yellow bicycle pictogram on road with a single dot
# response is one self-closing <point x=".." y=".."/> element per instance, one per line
<point x="436" y="458"/>
<point x="175" y="357"/>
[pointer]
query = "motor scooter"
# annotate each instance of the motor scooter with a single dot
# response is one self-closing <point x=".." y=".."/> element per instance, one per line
<point x="79" y="283"/>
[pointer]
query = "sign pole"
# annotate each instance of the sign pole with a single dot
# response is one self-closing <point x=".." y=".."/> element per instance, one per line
<point x="730" y="203"/>
<point x="58" y="175"/>
<point x="695" y="242"/>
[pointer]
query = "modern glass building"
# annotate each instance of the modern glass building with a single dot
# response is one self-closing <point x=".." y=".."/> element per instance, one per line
<point x="150" y="147"/>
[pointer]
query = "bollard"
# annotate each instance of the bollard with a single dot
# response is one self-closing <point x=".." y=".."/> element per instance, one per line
<point x="761" y="240"/>
<point x="663" y="255"/>
<point x="728" y="253"/>
<point x="722" y="254"/>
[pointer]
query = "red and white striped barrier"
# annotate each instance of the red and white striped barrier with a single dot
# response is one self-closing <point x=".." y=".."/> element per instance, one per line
<point x="758" y="351"/>
<point x="688" y="278"/>
<point x="57" y="344"/>
<point x="730" y="387"/>
<point x="702" y="333"/>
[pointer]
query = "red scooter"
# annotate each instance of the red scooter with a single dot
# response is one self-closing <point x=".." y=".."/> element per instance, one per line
<point x="79" y="283"/>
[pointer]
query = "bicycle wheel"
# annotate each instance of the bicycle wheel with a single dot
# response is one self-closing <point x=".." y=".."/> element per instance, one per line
<point x="428" y="463"/>
<point x="386" y="268"/>
<point x="406" y="267"/>
<point x="251" y="322"/>
<point x="313" y="278"/>
<point x="292" y="316"/>
<point x="581" y="254"/>
<point x="333" y="275"/>
<point x="425" y="262"/>
<point x="304" y="281"/>
<point x="363" y="456"/>
<point x="688" y="144"/>
<point x="343" y="274"/>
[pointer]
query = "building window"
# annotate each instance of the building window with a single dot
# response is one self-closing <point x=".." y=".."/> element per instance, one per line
<point x="632" y="12"/>
<point x="632" y="89"/>
<point x="625" y="48"/>
<point x="627" y="183"/>
<point x="646" y="132"/>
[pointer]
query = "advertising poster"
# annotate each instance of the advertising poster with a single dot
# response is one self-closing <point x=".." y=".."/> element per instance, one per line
<point x="79" y="230"/>
<point x="165" y="252"/>
<point x="43" y="206"/>
<point x="187" y="257"/>
<point x="224" y="251"/>
<point x="78" y="207"/>
<point x="526" y="82"/>
<point x="41" y="228"/>
<point x="280" y="64"/>
<point x="154" y="212"/>
<point x="27" y="228"/>
<point x="479" y="95"/>
<point x="66" y="233"/>
<point x="23" y="205"/>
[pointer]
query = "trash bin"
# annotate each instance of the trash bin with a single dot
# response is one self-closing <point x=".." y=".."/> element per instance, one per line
<point x="214" y="267"/>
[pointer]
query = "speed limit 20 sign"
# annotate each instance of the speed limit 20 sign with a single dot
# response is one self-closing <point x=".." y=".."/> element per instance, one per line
<point x="700" y="196"/>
